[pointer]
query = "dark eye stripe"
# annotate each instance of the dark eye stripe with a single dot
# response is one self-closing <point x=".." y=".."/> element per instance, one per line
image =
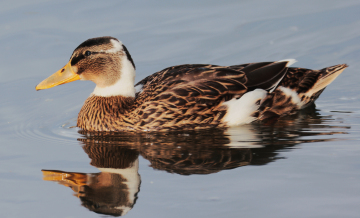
<point x="76" y="59"/>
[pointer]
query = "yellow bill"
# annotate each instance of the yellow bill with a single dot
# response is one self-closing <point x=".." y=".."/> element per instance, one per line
<point x="65" y="75"/>
<point x="73" y="180"/>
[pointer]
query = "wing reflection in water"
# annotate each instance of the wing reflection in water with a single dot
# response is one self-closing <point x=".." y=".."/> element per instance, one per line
<point x="114" y="190"/>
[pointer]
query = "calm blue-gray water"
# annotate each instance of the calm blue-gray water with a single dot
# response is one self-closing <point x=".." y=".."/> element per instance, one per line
<point x="306" y="165"/>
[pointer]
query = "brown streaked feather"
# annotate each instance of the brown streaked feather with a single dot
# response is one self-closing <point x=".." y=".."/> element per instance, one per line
<point x="190" y="97"/>
<point x="308" y="84"/>
<point x="300" y="79"/>
<point x="180" y="97"/>
<point x="105" y="113"/>
<point x="184" y="79"/>
<point x="275" y="105"/>
<point x="187" y="96"/>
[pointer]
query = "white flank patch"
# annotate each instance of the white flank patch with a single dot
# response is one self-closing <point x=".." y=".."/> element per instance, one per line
<point x="239" y="110"/>
<point x="124" y="86"/>
<point x="290" y="61"/>
<point x="138" y="88"/>
<point x="291" y="93"/>
<point x="132" y="181"/>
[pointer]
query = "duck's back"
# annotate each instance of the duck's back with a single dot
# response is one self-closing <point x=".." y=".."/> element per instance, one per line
<point x="194" y="96"/>
<point x="187" y="96"/>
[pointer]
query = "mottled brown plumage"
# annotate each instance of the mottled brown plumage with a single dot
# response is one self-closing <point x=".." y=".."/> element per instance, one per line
<point x="184" y="97"/>
<point x="104" y="113"/>
<point x="180" y="97"/>
<point x="308" y="84"/>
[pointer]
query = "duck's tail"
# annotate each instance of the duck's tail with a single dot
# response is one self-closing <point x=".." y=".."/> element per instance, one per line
<point x="298" y="89"/>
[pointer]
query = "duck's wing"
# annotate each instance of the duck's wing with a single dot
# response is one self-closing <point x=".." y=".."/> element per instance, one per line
<point x="199" y="95"/>
<point x="205" y="84"/>
<point x="266" y="75"/>
<point x="210" y="83"/>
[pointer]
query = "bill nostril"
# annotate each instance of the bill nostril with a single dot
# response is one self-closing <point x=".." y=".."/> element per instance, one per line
<point x="62" y="70"/>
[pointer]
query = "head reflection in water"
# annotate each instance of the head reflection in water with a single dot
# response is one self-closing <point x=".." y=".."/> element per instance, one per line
<point x="114" y="190"/>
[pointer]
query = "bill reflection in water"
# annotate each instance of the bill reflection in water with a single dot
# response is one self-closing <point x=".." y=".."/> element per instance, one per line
<point x="114" y="189"/>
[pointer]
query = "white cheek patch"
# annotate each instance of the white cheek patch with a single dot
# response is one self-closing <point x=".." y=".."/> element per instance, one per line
<point x="239" y="111"/>
<point x="124" y="86"/>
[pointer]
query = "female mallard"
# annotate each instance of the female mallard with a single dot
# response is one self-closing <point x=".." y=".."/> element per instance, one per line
<point x="191" y="96"/>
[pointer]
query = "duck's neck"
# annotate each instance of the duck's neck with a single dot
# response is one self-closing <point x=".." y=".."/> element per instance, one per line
<point x="124" y="86"/>
<point x="101" y="113"/>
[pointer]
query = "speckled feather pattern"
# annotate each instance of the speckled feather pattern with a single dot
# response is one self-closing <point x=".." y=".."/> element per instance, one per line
<point x="106" y="114"/>
<point x="186" y="97"/>
<point x="302" y="81"/>
<point x="190" y="97"/>
<point x="180" y="97"/>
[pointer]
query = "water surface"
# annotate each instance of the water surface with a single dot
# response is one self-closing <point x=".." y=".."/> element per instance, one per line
<point x="306" y="165"/>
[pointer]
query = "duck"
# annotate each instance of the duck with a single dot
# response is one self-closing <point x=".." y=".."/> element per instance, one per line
<point x="185" y="97"/>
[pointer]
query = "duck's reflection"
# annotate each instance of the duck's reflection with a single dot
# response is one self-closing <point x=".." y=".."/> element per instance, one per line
<point x="114" y="190"/>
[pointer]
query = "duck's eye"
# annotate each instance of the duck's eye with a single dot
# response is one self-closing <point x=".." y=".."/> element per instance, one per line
<point x="87" y="53"/>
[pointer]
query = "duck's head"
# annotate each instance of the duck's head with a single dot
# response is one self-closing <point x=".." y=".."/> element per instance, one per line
<point x="103" y="60"/>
